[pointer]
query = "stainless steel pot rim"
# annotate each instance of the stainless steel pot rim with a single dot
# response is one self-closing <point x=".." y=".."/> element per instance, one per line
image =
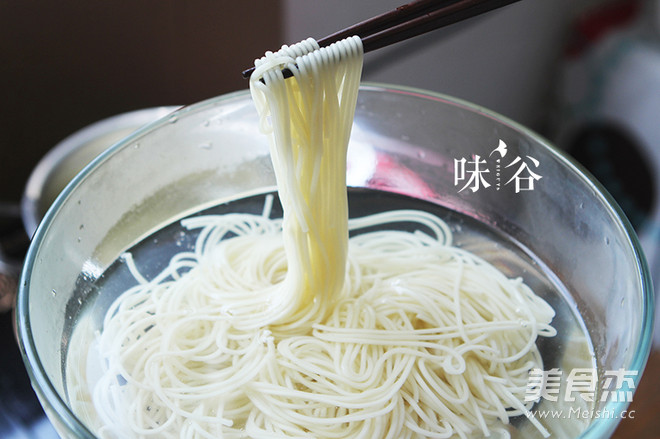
<point x="34" y="188"/>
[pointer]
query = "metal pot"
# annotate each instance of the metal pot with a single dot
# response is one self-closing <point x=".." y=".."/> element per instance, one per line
<point x="58" y="167"/>
<point x="51" y="175"/>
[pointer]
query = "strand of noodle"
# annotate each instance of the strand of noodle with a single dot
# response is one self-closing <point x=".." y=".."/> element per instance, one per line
<point x="441" y="232"/>
<point x="268" y="206"/>
<point x="130" y="263"/>
<point x="376" y="336"/>
<point x="517" y="404"/>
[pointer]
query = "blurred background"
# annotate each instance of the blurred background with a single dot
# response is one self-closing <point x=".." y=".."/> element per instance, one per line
<point x="583" y="73"/>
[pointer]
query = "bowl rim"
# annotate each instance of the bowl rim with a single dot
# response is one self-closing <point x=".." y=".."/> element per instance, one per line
<point x="53" y="402"/>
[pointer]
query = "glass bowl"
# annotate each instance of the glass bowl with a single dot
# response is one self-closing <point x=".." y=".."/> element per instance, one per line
<point x="431" y="147"/>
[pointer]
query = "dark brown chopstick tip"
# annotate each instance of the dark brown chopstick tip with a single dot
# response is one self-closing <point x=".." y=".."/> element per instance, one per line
<point x="247" y="73"/>
<point x="287" y="73"/>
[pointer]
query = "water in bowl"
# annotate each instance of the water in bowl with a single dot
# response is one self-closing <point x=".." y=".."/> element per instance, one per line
<point x="569" y="350"/>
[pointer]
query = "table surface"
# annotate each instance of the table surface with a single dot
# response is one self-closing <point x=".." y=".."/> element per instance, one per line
<point x="646" y="405"/>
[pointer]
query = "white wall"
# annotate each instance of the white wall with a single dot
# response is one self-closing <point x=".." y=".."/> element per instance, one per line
<point x="505" y="60"/>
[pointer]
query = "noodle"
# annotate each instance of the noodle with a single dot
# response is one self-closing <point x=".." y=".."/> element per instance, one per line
<point x="311" y="119"/>
<point x="286" y="328"/>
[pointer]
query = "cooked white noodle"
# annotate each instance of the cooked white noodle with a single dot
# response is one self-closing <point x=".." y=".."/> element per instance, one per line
<point x="277" y="328"/>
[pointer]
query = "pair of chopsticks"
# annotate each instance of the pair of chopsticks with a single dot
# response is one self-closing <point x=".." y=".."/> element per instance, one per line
<point x="407" y="21"/>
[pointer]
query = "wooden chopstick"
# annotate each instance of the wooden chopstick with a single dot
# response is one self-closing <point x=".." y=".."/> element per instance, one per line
<point x="407" y="21"/>
<point x="453" y="13"/>
<point x="387" y="20"/>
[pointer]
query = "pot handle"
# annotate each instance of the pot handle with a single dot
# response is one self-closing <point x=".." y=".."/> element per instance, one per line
<point x="13" y="245"/>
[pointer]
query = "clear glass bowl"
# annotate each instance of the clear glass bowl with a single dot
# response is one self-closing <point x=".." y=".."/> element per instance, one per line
<point x="405" y="141"/>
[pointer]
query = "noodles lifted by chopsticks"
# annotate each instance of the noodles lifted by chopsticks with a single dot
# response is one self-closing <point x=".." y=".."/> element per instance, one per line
<point x="309" y="119"/>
